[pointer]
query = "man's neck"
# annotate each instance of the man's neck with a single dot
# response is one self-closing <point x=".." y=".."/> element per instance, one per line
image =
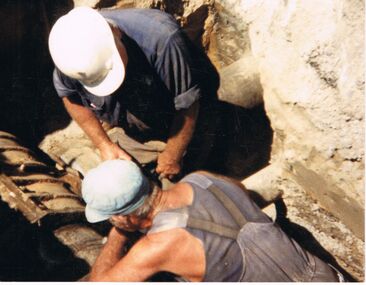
<point x="178" y="196"/>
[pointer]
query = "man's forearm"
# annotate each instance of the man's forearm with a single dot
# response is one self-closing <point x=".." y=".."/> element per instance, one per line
<point x="88" y="122"/>
<point x="182" y="130"/>
<point x="94" y="129"/>
<point x="109" y="256"/>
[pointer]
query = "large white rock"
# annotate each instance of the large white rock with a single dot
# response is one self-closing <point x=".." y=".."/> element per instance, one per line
<point x="310" y="59"/>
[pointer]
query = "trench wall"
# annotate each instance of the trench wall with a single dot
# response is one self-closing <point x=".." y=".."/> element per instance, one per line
<point x="307" y="57"/>
<point x="310" y="59"/>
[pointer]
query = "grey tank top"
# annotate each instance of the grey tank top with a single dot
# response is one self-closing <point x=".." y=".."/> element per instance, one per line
<point x="256" y="250"/>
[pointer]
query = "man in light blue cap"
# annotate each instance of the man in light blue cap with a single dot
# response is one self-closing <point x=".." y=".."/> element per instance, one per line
<point x="101" y="205"/>
<point x="204" y="228"/>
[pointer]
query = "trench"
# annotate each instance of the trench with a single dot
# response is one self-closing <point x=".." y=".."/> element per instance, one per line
<point x="49" y="249"/>
<point x="32" y="253"/>
<point x="62" y="246"/>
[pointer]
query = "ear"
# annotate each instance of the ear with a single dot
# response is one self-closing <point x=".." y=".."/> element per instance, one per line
<point x="143" y="223"/>
<point x="146" y="223"/>
<point x="116" y="31"/>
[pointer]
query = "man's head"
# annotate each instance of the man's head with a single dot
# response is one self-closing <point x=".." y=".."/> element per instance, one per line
<point x="114" y="188"/>
<point x="83" y="47"/>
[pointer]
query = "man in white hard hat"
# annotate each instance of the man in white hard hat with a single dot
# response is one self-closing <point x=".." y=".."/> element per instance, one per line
<point x="132" y="68"/>
<point x="204" y="228"/>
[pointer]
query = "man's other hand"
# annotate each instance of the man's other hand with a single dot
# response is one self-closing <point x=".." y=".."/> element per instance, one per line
<point x="167" y="166"/>
<point x="113" y="151"/>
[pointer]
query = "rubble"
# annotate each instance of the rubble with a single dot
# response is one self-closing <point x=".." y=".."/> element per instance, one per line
<point x="32" y="186"/>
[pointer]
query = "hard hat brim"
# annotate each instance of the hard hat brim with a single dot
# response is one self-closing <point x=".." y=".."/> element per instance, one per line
<point x="113" y="80"/>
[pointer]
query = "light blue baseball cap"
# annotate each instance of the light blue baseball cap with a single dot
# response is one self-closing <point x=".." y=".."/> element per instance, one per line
<point x="113" y="187"/>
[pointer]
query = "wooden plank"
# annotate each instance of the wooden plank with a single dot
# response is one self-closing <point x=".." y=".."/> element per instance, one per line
<point x="16" y="199"/>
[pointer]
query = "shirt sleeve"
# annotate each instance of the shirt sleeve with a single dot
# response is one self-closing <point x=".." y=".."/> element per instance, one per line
<point x="105" y="108"/>
<point x="175" y="68"/>
<point x="63" y="85"/>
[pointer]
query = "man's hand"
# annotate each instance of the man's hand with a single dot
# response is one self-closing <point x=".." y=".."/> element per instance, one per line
<point x="111" y="150"/>
<point x="168" y="166"/>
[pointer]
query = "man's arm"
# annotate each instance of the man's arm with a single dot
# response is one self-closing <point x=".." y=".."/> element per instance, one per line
<point x="93" y="128"/>
<point x="181" y="132"/>
<point x="110" y="254"/>
<point x="175" y="251"/>
<point x="142" y="261"/>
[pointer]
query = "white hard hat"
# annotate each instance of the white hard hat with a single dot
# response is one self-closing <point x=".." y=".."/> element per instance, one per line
<point x="82" y="47"/>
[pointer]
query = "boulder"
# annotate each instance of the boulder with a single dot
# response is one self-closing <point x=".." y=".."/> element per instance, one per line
<point x="310" y="59"/>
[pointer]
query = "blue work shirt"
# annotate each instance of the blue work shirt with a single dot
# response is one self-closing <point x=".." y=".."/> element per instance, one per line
<point x="162" y="74"/>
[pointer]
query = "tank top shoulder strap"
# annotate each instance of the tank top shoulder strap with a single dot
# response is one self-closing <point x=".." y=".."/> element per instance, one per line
<point x="206" y="183"/>
<point x="198" y="179"/>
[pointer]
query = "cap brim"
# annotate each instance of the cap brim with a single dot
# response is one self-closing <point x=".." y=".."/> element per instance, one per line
<point x="94" y="216"/>
<point x="113" y="80"/>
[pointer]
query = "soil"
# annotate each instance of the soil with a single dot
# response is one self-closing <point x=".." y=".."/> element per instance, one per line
<point x="320" y="232"/>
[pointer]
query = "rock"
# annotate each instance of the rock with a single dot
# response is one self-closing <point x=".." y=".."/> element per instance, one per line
<point x="308" y="58"/>
<point x="84" y="241"/>
<point x="240" y="83"/>
<point x="270" y="211"/>
<point x="81" y="158"/>
<point x="265" y="183"/>
<point x="334" y="199"/>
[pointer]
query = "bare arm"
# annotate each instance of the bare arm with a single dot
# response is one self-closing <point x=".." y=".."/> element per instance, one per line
<point x="181" y="133"/>
<point x="110" y="254"/>
<point x="141" y="262"/>
<point x="173" y="251"/>
<point x="93" y="128"/>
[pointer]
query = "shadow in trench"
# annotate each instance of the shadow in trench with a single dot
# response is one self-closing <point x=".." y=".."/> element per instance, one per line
<point x="28" y="99"/>
<point x="304" y="238"/>
<point x="32" y="253"/>
<point x="243" y="143"/>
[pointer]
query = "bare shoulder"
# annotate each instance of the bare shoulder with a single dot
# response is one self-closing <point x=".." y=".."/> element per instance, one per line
<point x="175" y="251"/>
<point x="165" y="241"/>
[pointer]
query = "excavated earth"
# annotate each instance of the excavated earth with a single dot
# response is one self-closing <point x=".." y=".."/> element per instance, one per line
<point x="55" y="243"/>
<point x="319" y="231"/>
